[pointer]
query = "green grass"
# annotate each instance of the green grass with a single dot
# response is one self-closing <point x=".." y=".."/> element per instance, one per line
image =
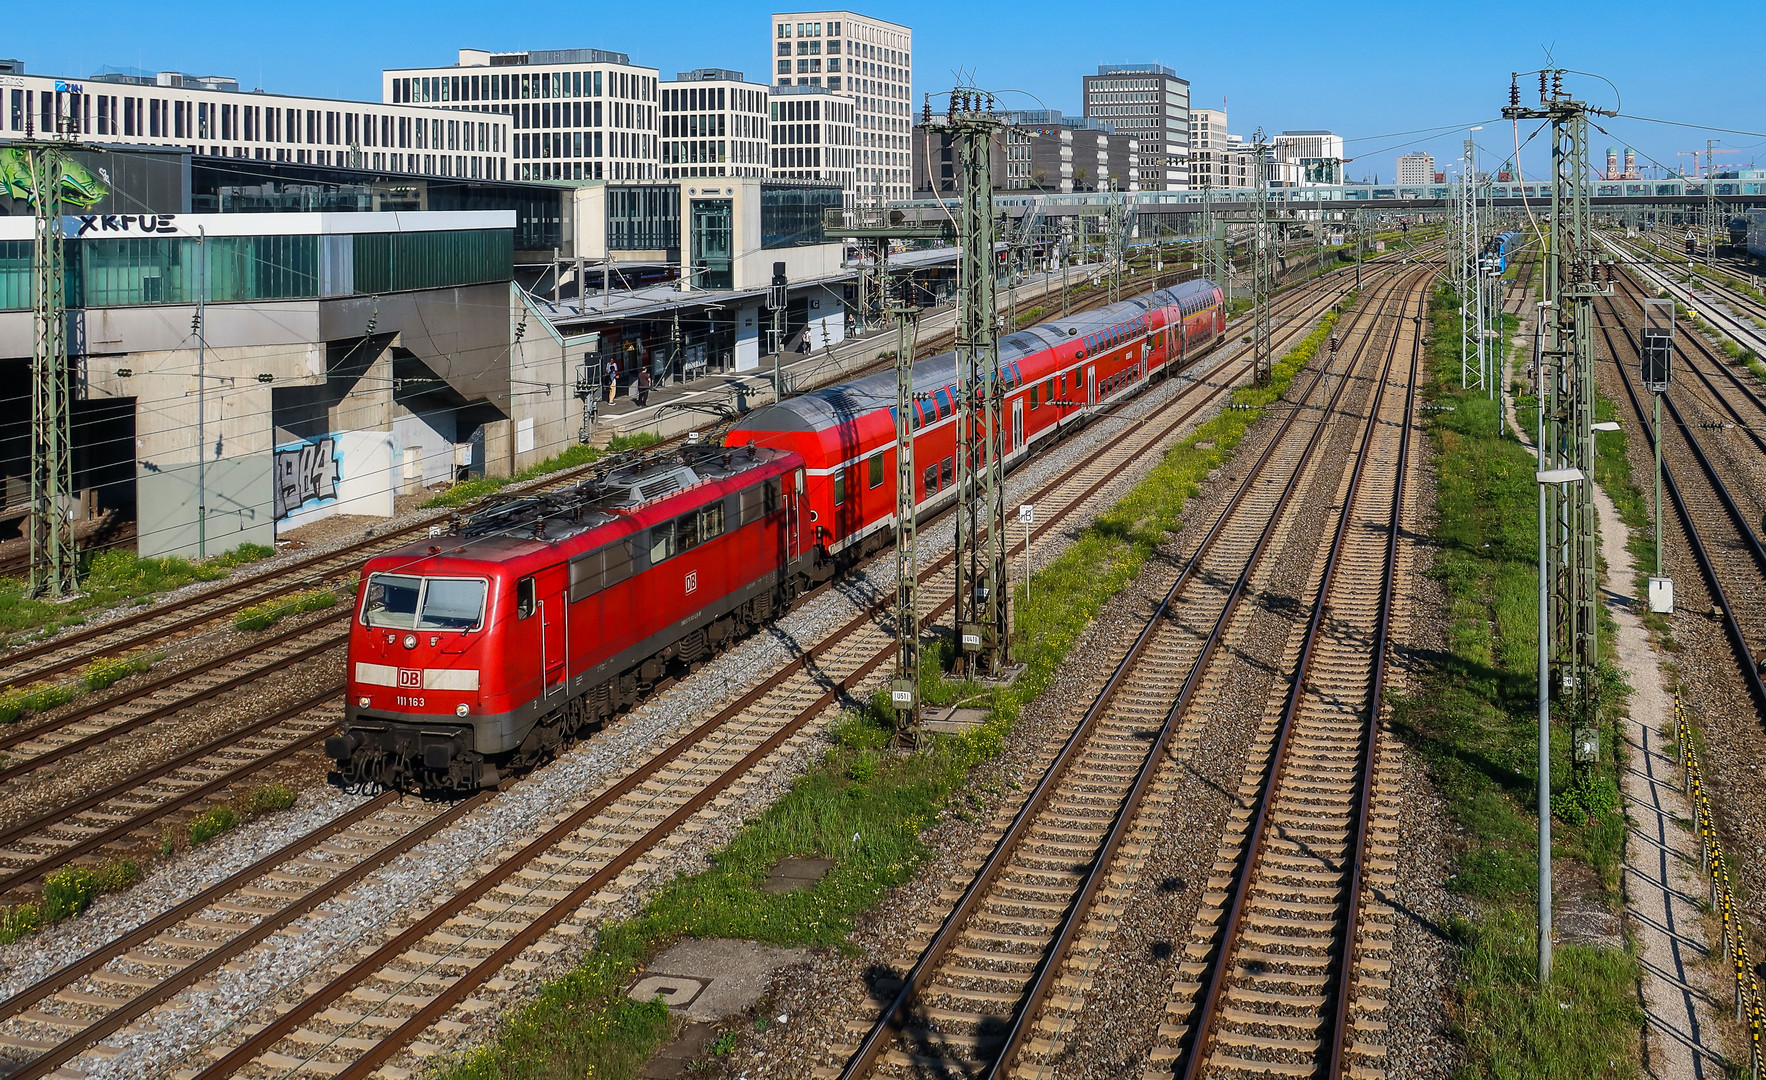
<point x="270" y="612"/>
<point x="1471" y="715"/>
<point x="211" y="823"/>
<point x="110" y="578"/>
<point x="477" y="488"/>
<point x="864" y="806"/>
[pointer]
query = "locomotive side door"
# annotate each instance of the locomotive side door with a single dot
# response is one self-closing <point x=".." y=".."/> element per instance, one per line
<point x="551" y="586"/>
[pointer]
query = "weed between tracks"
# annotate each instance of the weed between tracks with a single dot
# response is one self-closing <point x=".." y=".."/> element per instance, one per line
<point x="864" y="806"/>
<point x="1471" y="714"/>
<point x="69" y="891"/>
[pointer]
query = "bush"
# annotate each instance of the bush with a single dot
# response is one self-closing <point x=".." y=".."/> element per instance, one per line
<point x="270" y="612"/>
<point x="265" y="798"/>
<point x="69" y="891"/>
<point x="102" y="673"/>
<point x="211" y="823"/>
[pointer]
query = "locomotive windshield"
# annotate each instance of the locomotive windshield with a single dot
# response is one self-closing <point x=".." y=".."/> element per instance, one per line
<point x="407" y="602"/>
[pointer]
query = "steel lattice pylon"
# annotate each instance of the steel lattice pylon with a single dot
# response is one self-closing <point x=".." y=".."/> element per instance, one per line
<point x="54" y="565"/>
<point x="1573" y="280"/>
<point x="1263" y="270"/>
<point x="980" y="608"/>
<point x="905" y="690"/>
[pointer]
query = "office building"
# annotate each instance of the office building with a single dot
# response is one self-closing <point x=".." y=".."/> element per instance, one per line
<point x="573" y="114"/>
<point x="870" y="63"/>
<point x="210" y="117"/>
<point x="1309" y="157"/>
<point x="1416" y="168"/>
<point x="935" y="161"/>
<point x="713" y="123"/>
<point x="1149" y="103"/>
<point x="813" y="136"/>
<point x="1209" y="164"/>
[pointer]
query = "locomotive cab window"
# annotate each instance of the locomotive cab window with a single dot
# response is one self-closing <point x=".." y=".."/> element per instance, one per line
<point x="524" y="598"/>
<point x="408" y="602"/>
<point x="662" y="542"/>
<point x="759" y="500"/>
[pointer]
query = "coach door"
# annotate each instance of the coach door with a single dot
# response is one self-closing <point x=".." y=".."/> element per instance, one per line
<point x="551" y="586"/>
<point x="1091" y="383"/>
<point x="1017" y="423"/>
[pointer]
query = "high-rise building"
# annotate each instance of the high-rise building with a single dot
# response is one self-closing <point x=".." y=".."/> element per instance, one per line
<point x="1416" y="168"/>
<point x="1209" y="159"/>
<point x="1313" y="157"/>
<point x="1149" y="103"/>
<point x="575" y="114"/>
<point x="869" y="62"/>
<point x="812" y="136"/>
<point x="713" y="123"/>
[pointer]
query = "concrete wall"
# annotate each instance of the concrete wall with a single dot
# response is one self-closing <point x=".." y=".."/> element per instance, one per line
<point x="236" y="492"/>
<point x="545" y="416"/>
<point x="749" y="325"/>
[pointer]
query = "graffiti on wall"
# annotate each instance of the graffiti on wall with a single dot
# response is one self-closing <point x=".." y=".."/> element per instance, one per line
<point x="306" y="475"/>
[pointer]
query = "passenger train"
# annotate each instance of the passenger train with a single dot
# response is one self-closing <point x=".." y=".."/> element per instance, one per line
<point x="481" y="652"/>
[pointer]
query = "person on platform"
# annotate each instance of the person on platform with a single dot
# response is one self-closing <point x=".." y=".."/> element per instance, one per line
<point x="612" y="379"/>
<point x="643" y="388"/>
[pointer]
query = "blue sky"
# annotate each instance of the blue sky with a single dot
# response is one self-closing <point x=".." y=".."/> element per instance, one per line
<point x="1369" y="70"/>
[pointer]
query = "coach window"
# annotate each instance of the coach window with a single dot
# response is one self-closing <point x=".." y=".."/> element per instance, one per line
<point x="524" y="598"/>
<point x="1079" y="380"/>
<point x="931" y="480"/>
<point x="662" y="542"/>
<point x="942" y="397"/>
<point x="1032" y="397"/>
<point x="946" y="469"/>
<point x="876" y="477"/>
<point x="1049" y="390"/>
<point x="840" y="488"/>
<point x="711" y="522"/>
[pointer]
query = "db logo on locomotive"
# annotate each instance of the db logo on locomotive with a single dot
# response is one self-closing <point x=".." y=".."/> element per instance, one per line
<point x="411" y="678"/>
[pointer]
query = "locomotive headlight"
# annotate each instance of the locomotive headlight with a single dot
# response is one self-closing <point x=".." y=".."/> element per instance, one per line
<point x="364" y="701"/>
<point x="410" y="641"/>
<point x="460" y="709"/>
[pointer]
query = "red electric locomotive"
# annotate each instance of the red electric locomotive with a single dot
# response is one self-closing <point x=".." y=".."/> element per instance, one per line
<point x="1056" y="375"/>
<point x="484" y="650"/>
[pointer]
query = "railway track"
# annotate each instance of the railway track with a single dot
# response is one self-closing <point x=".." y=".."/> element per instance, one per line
<point x="1718" y="533"/>
<point x="1298" y="944"/>
<point x="999" y="986"/>
<point x="592" y="847"/>
<point x="1745" y="320"/>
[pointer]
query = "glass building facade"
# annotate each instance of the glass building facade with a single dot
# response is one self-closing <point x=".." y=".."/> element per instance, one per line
<point x="144" y="270"/>
<point x="791" y="216"/>
<point x="645" y="218"/>
<point x="713" y="239"/>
